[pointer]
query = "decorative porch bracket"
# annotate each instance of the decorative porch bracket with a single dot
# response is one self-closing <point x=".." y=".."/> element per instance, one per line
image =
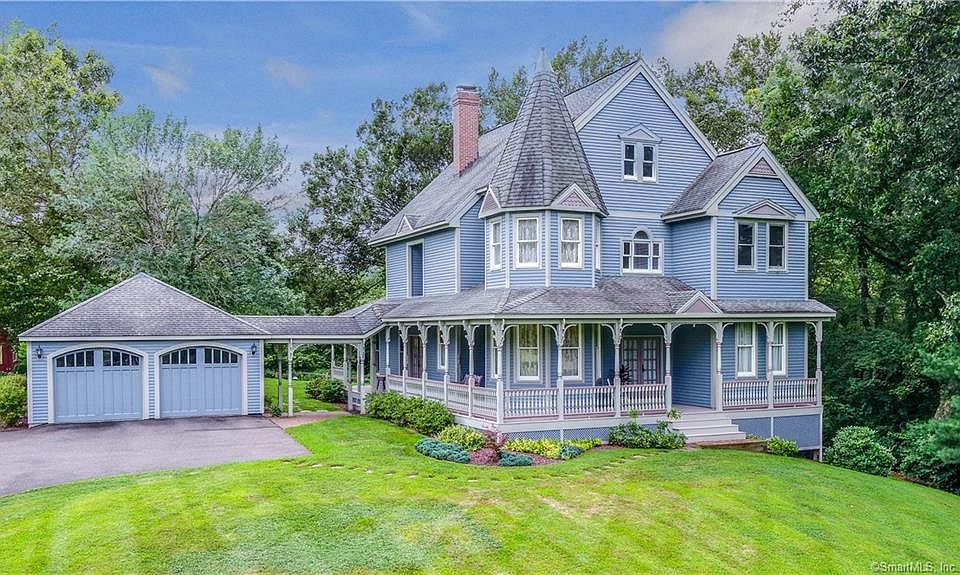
<point x="404" y="330"/>
<point x="422" y="328"/>
<point x="718" y="327"/>
<point x="768" y="327"/>
<point x="469" y="332"/>
<point x="498" y="331"/>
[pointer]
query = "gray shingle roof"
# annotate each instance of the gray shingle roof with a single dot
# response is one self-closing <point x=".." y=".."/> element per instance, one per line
<point x="305" y="325"/>
<point x="703" y="189"/>
<point x="142" y="306"/>
<point x="543" y="155"/>
<point x="773" y="306"/>
<point x="449" y="194"/>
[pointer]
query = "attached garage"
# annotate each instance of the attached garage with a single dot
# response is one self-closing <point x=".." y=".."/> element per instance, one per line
<point x="97" y="385"/>
<point x="200" y="381"/>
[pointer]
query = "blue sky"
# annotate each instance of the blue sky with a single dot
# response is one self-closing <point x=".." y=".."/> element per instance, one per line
<point x="308" y="72"/>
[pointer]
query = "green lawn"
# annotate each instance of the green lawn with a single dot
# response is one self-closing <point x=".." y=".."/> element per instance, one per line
<point x="300" y="400"/>
<point x="366" y="502"/>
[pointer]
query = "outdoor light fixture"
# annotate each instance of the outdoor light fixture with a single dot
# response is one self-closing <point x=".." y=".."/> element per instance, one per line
<point x="39" y="353"/>
<point x="253" y="349"/>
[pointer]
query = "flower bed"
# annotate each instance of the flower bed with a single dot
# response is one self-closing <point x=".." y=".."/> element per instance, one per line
<point x="465" y="445"/>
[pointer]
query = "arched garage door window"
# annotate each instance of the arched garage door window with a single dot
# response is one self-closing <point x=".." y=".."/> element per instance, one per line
<point x="97" y="385"/>
<point x="200" y="381"/>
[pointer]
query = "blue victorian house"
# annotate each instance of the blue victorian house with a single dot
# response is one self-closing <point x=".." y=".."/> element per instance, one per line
<point x="594" y="260"/>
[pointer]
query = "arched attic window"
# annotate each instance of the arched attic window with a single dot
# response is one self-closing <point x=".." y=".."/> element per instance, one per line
<point x="641" y="254"/>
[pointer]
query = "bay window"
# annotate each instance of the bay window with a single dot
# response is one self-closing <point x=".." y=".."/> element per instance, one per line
<point x="495" y="244"/>
<point x="571" y="242"/>
<point x="528" y="242"/>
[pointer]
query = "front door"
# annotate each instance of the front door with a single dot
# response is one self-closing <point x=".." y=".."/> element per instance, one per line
<point x="642" y="357"/>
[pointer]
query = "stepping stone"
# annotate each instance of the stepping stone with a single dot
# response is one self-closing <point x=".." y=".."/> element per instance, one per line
<point x="336" y="467"/>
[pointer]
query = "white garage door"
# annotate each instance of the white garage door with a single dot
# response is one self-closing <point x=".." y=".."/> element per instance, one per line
<point x="97" y="385"/>
<point x="200" y="381"/>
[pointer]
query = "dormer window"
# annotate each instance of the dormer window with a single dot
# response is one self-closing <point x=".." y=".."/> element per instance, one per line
<point x="641" y="254"/>
<point x="639" y="161"/>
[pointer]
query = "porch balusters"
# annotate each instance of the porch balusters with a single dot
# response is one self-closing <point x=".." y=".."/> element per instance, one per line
<point x="561" y="333"/>
<point x="769" y="327"/>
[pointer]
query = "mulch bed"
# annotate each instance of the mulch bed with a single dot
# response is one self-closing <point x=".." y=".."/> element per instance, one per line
<point x="488" y="456"/>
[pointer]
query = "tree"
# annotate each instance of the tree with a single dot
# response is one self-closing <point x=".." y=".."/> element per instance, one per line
<point x="182" y="205"/>
<point x="51" y="100"/>
<point x="577" y="64"/>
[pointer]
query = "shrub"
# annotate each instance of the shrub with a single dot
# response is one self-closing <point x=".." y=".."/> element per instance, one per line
<point x="425" y="416"/>
<point x="632" y="434"/>
<point x="326" y="389"/>
<point x="781" y="446"/>
<point x="919" y="459"/>
<point x="859" y="449"/>
<point x="515" y="460"/>
<point x="13" y="399"/>
<point x="586" y="444"/>
<point x="469" y="439"/>
<point x="552" y="448"/>
<point x="443" y="451"/>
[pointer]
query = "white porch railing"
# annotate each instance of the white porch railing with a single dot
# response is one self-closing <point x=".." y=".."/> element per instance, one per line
<point x="535" y="402"/>
<point x="337" y="373"/>
<point x="754" y="393"/>
<point x="644" y="397"/>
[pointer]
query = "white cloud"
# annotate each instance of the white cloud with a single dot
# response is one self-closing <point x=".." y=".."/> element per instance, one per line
<point x="706" y="31"/>
<point x="423" y="22"/>
<point x="288" y="72"/>
<point x="168" y="82"/>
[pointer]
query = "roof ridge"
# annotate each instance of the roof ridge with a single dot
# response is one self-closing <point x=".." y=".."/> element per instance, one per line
<point x="740" y="149"/>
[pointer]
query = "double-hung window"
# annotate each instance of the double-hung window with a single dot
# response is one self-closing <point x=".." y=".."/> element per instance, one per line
<point x="746" y="245"/>
<point x="778" y="350"/>
<point x="641" y="254"/>
<point x="528" y="242"/>
<point x="639" y="161"/>
<point x="571" y="243"/>
<point x="570" y="352"/>
<point x="528" y="352"/>
<point x="746" y="349"/>
<point x="495" y="244"/>
<point x="776" y="247"/>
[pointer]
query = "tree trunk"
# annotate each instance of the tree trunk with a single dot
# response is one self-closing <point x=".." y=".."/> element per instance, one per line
<point x="864" y="275"/>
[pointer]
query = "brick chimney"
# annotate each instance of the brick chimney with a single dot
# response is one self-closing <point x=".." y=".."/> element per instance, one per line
<point x="466" y="126"/>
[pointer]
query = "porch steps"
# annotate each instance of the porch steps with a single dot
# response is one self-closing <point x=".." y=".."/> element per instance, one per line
<point x="708" y="426"/>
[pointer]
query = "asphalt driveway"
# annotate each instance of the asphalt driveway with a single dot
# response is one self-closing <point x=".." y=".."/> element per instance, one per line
<point x="62" y="453"/>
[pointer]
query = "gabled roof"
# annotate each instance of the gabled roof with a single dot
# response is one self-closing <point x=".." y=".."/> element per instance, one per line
<point x="718" y="179"/>
<point x="449" y="195"/>
<point x="543" y="155"/>
<point x="142" y="306"/>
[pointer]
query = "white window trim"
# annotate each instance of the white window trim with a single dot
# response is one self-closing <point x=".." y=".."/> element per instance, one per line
<point x="579" y="347"/>
<point x="736" y="246"/>
<point x="516" y="243"/>
<point x="650" y="239"/>
<point x="495" y="247"/>
<point x="527" y="378"/>
<point x="753" y="350"/>
<point x="782" y="350"/>
<point x="786" y="249"/>
<point x="638" y="160"/>
<point x="579" y="241"/>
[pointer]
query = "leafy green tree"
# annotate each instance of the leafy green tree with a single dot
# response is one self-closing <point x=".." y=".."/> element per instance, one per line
<point x="182" y="205"/>
<point x="51" y="100"/>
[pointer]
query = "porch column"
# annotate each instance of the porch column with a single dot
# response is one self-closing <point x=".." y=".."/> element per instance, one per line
<point x="668" y="365"/>
<point x="424" y="340"/>
<point x="373" y="360"/>
<point x="718" y="376"/>
<point x="443" y="339"/>
<point x="333" y="360"/>
<point x="469" y="333"/>
<point x="404" y="336"/>
<point x="561" y="332"/>
<point x="818" y="327"/>
<point x="499" y="332"/>
<point x="360" y="358"/>
<point x="290" y="378"/>
<point x="768" y="328"/>
<point x="617" y="333"/>
<point x="387" y="362"/>
<point x="279" y="382"/>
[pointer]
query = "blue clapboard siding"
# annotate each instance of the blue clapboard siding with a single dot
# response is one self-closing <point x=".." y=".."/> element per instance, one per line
<point x="38" y="369"/>
<point x="615" y="229"/>
<point x="760" y="283"/>
<point x="804" y="429"/>
<point x="690" y="253"/>
<point x="759" y="426"/>
<point x="571" y="277"/>
<point x="692" y="365"/>
<point x="471" y="248"/>
<point x="396" y="270"/>
<point x="796" y="349"/>
<point x="680" y="157"/>
<point x="439" y="263"/>
<point x="753" y="189"/>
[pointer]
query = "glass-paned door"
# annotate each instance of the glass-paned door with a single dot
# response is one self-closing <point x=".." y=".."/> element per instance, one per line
<point x="414" y="356"/>
<point x="643" y="359"/>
